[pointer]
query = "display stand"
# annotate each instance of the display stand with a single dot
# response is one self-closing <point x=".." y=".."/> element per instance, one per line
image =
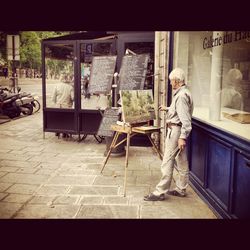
<point x="130" y="131"/>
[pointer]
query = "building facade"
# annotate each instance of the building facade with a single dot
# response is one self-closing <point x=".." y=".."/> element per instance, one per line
<point x="217" y="66"/>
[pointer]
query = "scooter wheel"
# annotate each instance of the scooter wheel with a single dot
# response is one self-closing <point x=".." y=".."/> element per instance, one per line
<point x="29" y="110"/>
<point x="36" y="106"/>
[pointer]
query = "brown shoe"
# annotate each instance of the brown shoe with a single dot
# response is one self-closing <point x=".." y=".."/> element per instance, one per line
<point x="152" y="197"/>
<point x="175" y="193"/>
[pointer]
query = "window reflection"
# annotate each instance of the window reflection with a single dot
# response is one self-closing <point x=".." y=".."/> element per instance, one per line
<point x="144" y="48"/>
<point x="59" y="69"/>
<point x="88" y="50"/>
<point x="203" y="65"/>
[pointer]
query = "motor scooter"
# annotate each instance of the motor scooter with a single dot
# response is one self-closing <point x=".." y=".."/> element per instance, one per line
<point x="8" y="105"/>
<point x="27" y="102"/>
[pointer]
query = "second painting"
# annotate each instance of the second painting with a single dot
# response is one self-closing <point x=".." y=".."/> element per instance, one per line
<point x="137" y="105"/>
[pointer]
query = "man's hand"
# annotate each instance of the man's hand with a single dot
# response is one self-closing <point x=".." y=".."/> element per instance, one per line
<point x="163" y="108"/>
<point x="181" y="143"/>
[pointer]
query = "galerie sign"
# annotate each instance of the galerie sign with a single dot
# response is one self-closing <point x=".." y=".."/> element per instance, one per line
<point x="227" y="37"/>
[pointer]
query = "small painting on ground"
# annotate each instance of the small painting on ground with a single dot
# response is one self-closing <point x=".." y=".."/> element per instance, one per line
<point x="137" y="105"/>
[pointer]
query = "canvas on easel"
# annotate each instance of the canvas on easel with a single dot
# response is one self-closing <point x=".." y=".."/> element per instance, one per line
<point x="137" y="106"/>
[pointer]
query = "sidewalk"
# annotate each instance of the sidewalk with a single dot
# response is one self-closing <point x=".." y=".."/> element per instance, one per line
<point x="60" y="178"/>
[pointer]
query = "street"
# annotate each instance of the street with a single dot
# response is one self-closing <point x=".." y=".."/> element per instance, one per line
<point x="60" y="178"/>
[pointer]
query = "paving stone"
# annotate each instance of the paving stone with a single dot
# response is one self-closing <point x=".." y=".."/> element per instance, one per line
<point x="14" y="157"/>
<point x="7" y="210"/>
<point x="72" y="180"/>
<point x="50" y="165"/>
<point x="108" y="211"/>
<point x="52" y="190"/>
<point x="4" y="186"/>
<point x="2" y="195"/>
<point x="22" y="189"/>
<point x="112" y="167"/>
<point x="17" y="198"/>
<point x="40" y="158"/>
<point x="147" y="180"/>
<point x="92" y="200"/>
<point x="120" y="173"/>
<point x="187" y="208"/>
<point x="136" y="200"/>
<point x="66" y="200"/>
<point x="42" y="171"/>
<point x="39" y="199"/>
<point x="73" y="165"/>
<point x="9" y="147"/>
<point x="26" y="170"/>
<point x="141" y="172"/>
<point x="2" y="173"/>
<point x="108" y="180"/>
<point x="32" y="153"/>
<point x="94" y="190"/>
<point x="43" y="211"/>
<point x="78" y="172"/>
<point x="34" y="149"/>
<point x="8" y="169"/>
<point x="115" y="200"/>
<point x="156" y="173"/>
<point x="24" y="178"/>
<point x="136" y="191"/>
<point x="157" y="212"/>
<point x="94" y="166"/>
<point x="3" y="151"/>
<point x="17" y="152"/>
<point x="19" y="164"/>
<point x="93" y="160"/>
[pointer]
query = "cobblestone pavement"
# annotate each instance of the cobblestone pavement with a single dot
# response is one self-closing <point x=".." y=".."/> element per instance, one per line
<point x="60" y="178"/>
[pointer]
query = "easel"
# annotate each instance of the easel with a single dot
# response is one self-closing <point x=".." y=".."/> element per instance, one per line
<point x="130" y="131"/>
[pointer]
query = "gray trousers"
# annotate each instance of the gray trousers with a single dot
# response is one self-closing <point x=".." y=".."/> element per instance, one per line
<point x="167" y="166"/>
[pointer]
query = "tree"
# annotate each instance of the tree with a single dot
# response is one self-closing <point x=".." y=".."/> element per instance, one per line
<point x="30" y="47"/>
<point x="2" y="48"/>
<point x="30" y="50"/>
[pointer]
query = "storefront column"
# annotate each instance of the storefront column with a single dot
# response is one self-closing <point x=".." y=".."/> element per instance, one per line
<point x="216" y="73"/>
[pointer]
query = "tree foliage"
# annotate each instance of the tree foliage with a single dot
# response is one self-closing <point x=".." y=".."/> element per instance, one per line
<point x="30" y="50"/>
<point x="30" y="47"/>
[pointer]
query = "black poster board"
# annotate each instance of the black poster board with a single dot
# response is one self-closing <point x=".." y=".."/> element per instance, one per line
<point x="101" y="74"/>
<point x="133" y="71"/>
<point x="110" y="117"/>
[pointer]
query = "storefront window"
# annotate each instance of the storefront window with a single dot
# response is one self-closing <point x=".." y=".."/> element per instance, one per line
<point x="59" y="69"/>
<point x="88" y="50"/>
<point x="144" y="48"/>
<point x="217" y="65"/>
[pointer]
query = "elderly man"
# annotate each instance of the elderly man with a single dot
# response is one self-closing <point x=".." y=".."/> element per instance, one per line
<point x="63" y="95"/>
<point x="179" y="126"/>
<point x="230" y="97"/>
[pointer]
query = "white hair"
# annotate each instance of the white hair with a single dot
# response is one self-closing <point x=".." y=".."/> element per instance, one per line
<point x="234" y="76"/>
<point x="177" y="74"/>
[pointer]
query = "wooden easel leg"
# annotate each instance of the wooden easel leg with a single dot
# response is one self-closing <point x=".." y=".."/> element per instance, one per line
<point x="154" y="146"/>
<point x="126" y="164"/>
<point x="110" y="149"/>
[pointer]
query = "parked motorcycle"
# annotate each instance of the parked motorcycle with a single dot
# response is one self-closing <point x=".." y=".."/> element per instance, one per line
<point x="13" y="104"/>
<point x="28" y="103"/>
<point x="8" y="105"/>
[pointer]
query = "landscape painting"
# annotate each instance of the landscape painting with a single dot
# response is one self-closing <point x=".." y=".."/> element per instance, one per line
<point x="137" y="105"/>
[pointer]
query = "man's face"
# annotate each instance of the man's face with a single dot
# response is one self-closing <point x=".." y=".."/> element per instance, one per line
<point x="174" y="84"/>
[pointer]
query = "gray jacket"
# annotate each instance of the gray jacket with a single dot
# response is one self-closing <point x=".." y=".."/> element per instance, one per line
<point x="181" y="110"/>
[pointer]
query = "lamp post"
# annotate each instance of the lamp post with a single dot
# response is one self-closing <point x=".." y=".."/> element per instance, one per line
<point x="13" y="44"/>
